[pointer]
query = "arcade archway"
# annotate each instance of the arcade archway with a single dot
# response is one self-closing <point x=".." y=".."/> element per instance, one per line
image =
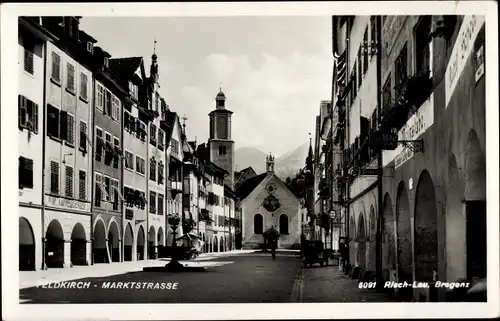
<point x="404" y="243"/>
<point x="26" y="246"/>
<point x="140" y="244"/>
<point x="54" y="245"/>
<point x="388" y="239"/>
<point x="216" y="244"/>
<point x="78" y="245"/>
<point x="361" y="236"/>
<point x="475" y="207"/>
<point x="455" y="221"/>
<point x="99" y="244"/>
<point x="161" y="243"/>
<point x="114" y="242"/>
<point x="128" y="243"/>
<point x="426" y="235"/>
<point x="151" y="243"/>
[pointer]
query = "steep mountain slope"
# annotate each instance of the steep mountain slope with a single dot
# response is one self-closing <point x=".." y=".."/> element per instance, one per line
<point x="249" y="156"/>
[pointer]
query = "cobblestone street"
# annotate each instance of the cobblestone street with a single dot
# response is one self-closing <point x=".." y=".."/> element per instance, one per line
<point x="230" y="278"/>
<point x="328" y="284"/>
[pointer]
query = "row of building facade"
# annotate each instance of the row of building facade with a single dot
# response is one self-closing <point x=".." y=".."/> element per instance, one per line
<point x="104" y="161"/>
<point x="400" y="172"/>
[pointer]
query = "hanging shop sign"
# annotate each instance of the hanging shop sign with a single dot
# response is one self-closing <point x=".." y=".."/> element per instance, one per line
<point x="411" y="131"/>
<point x="461" y="52"/>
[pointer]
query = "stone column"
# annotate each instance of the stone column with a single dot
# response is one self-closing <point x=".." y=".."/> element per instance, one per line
<point x="67" y="254"/>
<point x="89" y="252"/>
<point x="120" y="249"/>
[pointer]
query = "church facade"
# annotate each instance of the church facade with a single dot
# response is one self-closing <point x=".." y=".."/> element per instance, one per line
<point x="266" y="202"/>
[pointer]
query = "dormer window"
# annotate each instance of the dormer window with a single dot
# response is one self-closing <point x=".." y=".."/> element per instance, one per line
<point x="106" y="62"/>
<point x="134" y="90"/>
<point x="90" y="47"/>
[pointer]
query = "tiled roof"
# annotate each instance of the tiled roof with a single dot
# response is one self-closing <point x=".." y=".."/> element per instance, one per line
<point x="249" y="185"/>
<point x="124" y="68"/>
<point x="169" y="122"/>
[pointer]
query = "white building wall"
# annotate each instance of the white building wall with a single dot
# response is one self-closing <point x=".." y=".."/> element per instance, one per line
<point x="68" y="210"/>
<point x="30" y="143"/>
<point x="30" y="146"/>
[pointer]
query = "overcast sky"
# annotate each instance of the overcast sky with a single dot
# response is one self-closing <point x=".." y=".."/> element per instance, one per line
<point x="274" y="70"/>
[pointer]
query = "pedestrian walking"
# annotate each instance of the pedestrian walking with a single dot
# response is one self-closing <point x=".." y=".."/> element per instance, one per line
<point x="273" y="248"/>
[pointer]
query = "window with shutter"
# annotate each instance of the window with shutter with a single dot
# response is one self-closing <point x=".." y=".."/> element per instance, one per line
<point x="54" y="177"/>
<point x="160" y="204"/>
<point x="161" y="168"/>
<point x="114" y="192"/>
<point x="161" y="139"/>
<point x="99" y="145"/>
<point x="23" y="111"/>
<point x="116" y="156"/>
<point x="33" y="117"/>
<point x="25" y="172"/>
<point x="63" y="125"/>
<point x="100" y="97"/>
<point x="152" y="202"/>
<point x="107" y="103"/>
<point x="107" y="185"/>
<point x="52" y="121"/>
<point x="21" y="171"/>
<point x="70" y="77"/>
<point x="29" y="48"/>
<point x="152" y="133"/>
<point x="69" y="181"/>
<point x="28" y="173"/>
<point x="83" y="86"/>
<point x="56" y="67"/>
<point x="129" y="160"/>
<point x="98" y="191"/>
<point x="83" y="135"/>
<point x="152" y="169"/>
<point x="82" y="185"/>
<point x="401" y="67"/>
<point x="70" y="131"/>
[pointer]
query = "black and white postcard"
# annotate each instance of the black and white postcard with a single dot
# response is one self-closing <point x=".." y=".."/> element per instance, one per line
<point x="250" y="160"/>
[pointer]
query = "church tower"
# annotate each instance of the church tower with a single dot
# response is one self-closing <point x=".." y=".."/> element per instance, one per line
<point x="219" y="143"/>
<point x="270" y="164"/>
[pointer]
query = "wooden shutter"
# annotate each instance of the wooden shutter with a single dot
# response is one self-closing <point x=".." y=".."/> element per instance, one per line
<point x="28" y="173"/>
<point x="23" y="111"/>
<point x="54" y="177"/>
<point x="82" y="184"/>
<point x="63" y="125"/>
<point x="52" y="121"/>
<point x="28" y="58"/>
<point x="70" y="80"/>
<point x="83" y="86"/>
<point x="107" y="183"/>
<point x="69" y="181"/>
<point x="56" y="67"/>
<point x="83" y="136"/>
<point x="71" y="129"/>
<point x="33" y="116"/>
<point x="21" y="171"/>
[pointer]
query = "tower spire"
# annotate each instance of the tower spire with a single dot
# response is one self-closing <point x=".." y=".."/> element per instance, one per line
<point x="309" y="159"/>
